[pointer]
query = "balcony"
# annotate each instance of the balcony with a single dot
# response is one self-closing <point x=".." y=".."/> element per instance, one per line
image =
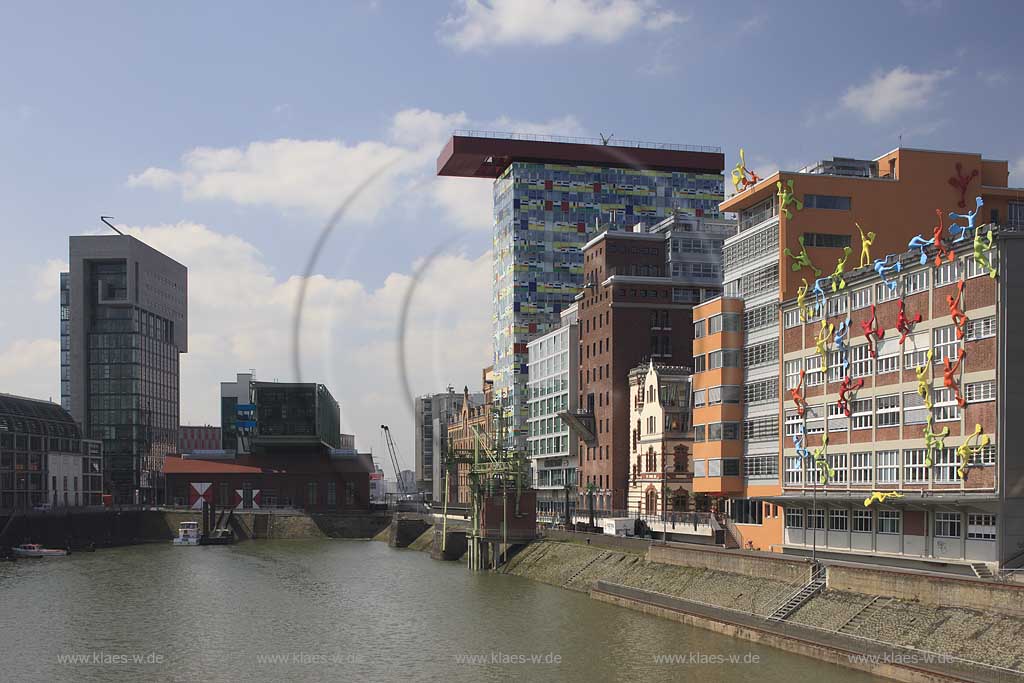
<point x="583" y="422"/>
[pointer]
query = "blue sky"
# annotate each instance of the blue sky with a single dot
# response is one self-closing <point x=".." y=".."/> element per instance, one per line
<point x="225" y="132"/>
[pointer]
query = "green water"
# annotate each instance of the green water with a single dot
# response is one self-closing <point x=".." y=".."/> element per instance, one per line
<point x="339" y="611"/>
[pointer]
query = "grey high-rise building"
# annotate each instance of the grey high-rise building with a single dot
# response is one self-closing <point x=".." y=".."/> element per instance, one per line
<point x="124" y="321"/>
<point x="432" y="414"/>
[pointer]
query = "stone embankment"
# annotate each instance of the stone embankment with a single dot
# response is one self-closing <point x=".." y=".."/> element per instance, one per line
<point x="853" y="621"/>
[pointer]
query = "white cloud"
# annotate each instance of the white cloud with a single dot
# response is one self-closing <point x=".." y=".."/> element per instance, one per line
<point x="31" y="367"/>
<point x="895" y="92"/>
<point x="483" y="23"/>
<point x="1017" y="173"/>
<point x="47" y="279"/>
<point x="314" y="175"/>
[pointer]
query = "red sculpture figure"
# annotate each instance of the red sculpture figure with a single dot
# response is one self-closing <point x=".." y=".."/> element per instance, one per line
<point x="904" y="324"/>
<point x="870" y="328"/>
<point x="955" y="312"/>
<point x="962" y="182"/>
<point x="844" y="388"/>
<point x="950" y="369"/>
<point x="797" y="396"/>
<point x="941" y="250"/>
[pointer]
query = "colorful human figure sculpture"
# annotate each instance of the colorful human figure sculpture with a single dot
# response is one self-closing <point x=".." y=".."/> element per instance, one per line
<point x="933" y="441"/>
<point x="819" y="295"/>
<point x="966" y="450"/>
<point x="787" y="197"/>
<point x="957" y="313"/>
<point x="941" y="250"/>
<point x="962" y="230"/>
<point x="821" y="344"/>
<point x="865" y="246"/>
<point x="806" y="312"/>
<point x="838" y="281"/>
<point x="919" y="242"/>
<point x="741" y="175"/>
<point x="871" y="329"/>
<point x="981" y="245"/>
<point x="845" y="388"/>
<point x="840" y="342"/>
<point x="962" y="182"/>
<point x="803" y="259"/>
<point x="796" y="393"/>
<point x="882" y="267"/>
<point x="904" y="325"/>
<point x="798" y="444"/>
<point x="880" y="497"/>
<point x="924" y="385"/>
<point x="949" y="371"/>
<point x="825" y="471"/>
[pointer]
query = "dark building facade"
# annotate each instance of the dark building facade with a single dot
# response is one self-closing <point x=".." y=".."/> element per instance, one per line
<point x="295" y="414"/>
<point x="629" y="313"/>
<point x="124" y="322"/>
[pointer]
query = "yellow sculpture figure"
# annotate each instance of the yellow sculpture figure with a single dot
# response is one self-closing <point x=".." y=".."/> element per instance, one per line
<point x="966" y="450"/>
<point x="825" y="470"/>
<point x="786" y="197"/>
<point x="801" y="301"/>
<point x="821" y="344"/>
<point x="741" y="175"/>
<point x="838" y="281"/>
<point x="981" y="245"/>
<point x="880" y="497"/>
<point x="933" y="441"/>
<point x="865" y="246"/>
<point x="924" y="385"/>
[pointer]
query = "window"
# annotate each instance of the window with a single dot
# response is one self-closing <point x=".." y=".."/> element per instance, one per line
<point x="839" y="520"/>
<point x="835" y="367"/>
<point x="974" y="270"/>
<point x="947" y="273"/>
<point x="945" y="466"/>
<point x="863" y="521"/>
<point x="889" y="521"/>
<point x="861" y="414"/>
<point x="729" y="393"/>
<point x="827" y="201"/>
<point x="981" y="527"/>
<point x="762" y="316"/>
<point x="883" y="293"/>
<point x="824" y="239"/>
<point x="698" y="329"/>
<point x="699" y="363"/>
<point x="793" y="422"/>
<point x="745" y="511"/>
<point x="816" y="518"/>
<point x="981" y="328"/>
<point x="758" y="466"/>
<point x="794" y="469"/>
<point x="792" y="372"/>
<point x="758" y="392"/>
<point x="914" y="469"/>
<point x="888" y="466"/>
<point x="914" y="410"/>
<point x="730" y="467"/>
<point x="945" y="343"/>
<point x="860" y="468"/>
<point x="795" y="518"/>
<point x="698" y="432"/>
<point x="761" y="428"/>
<point x="915" y="352"/>
<point x="725" y="358"/>
<point x="986" y="456"/>
<point x="915" y="282"/>
<point x="813" y="376"/>
<point x="760" y="354"/>
<point x="815" y="419"/>
<point x="860" y="361"/>
<point x="888" y="351"/>
<point x="744" y="251"/>
<point x="838" y="304"/>
<point x="837" y="420"/>
<point x="860" y="298"/>
<point x="698" y="398"/>
<point x="945" y="407"/>
<point x="791" y="318"/>
<point x="947" y="525"/>
<point x="839" y="472"/>
<point x="763" y="280"/>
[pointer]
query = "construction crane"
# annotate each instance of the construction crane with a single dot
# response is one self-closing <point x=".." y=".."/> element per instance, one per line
<point x="394" y="458"/>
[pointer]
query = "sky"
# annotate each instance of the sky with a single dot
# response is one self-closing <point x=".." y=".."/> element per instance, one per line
<point x="226" y="134"/>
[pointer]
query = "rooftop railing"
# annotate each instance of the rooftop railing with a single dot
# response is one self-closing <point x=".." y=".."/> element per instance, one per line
<point x="610" y="142"/>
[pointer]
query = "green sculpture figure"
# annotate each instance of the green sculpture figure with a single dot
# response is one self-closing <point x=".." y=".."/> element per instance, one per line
<point x="981" y="245"/>
<point x="838" y="281"/>
<point x="924" y="388"/>
<point x="865" y="246"/>
<point x="786" y="197"/>
<point x="802" y="259"/>
<point x="967" y="450"/>
<point x="825" y="471"/>
<point x="933" y="441"/>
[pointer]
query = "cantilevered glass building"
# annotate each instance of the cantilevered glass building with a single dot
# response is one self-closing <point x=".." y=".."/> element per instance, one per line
<point x="550" y="196"/>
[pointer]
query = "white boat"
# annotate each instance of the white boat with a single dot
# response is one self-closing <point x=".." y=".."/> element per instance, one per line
<point x="36" y="550"/>
<point x="188" y="534"/>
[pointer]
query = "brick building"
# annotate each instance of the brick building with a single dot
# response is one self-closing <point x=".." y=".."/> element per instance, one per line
<point x="199" y="438"/>
<point x="463" y="428"/>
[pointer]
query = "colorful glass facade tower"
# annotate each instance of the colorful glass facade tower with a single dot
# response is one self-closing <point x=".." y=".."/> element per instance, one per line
<point x="550" y="196"/>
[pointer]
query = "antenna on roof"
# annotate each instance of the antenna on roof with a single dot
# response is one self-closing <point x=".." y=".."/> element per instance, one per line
<point x="110" y="225"/>
<point x="606" y="140"/>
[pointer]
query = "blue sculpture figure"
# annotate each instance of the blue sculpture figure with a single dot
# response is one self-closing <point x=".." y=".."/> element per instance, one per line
<point x="919" y="242"/>
<point x="842" y="334"/>
<point x="882" y="267"/>
<point x="969" y="217"/>
<point x="819" y="294"/>
<point x="798" y="444"/>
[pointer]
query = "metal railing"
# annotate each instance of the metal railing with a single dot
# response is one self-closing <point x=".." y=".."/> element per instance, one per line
<point x="611" y="142"/>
